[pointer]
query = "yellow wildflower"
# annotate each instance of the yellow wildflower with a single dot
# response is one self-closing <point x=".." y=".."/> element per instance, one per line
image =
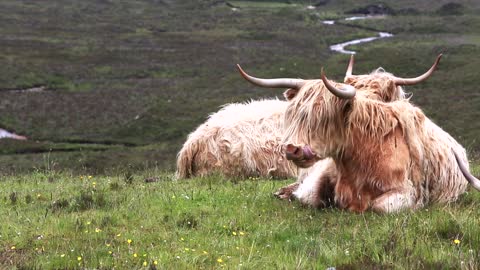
<point x="108" y="244"/>
<point x="135" y="255"/>
<point x="63" y="255"/>
<point x="97" y="230"/>
<point x="90" y="177"/>
<point x="129" y="241"/>
<point x="181" y="239"/>
<point x="13" y="247"/>
<point x="187" y="249"/>
<point x="242" y="233"/>
<point x="219" y="260"/>
<point x="204" y="252"/>
<point x="89" y="222"/>
<point x="155" y="262"/>
<point x="118" y="235"/>
<point x="456" y="241"/>
<point x="110" y="252"/>
<point x="79" y="258"/>
<point x="234" y="233"/>
<point x="144" y="255"/>
<point x="144" y="263"/>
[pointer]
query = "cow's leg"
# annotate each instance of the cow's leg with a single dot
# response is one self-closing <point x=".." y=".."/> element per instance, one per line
<point x="285" y="193"/>
<point x="317" y="184"/>
<point x="316" y="191"/>
<point x="394" y="201"/>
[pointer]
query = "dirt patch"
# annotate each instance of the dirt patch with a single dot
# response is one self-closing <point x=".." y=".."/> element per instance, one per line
<point x="13" y="258"/>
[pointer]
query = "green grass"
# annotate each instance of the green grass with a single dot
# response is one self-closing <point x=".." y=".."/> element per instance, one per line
<point x="51" y="219"/>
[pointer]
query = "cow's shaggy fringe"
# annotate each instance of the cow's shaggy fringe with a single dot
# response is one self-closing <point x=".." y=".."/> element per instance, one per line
<point x="242" y="139"/>
<point x="377" y="85"/>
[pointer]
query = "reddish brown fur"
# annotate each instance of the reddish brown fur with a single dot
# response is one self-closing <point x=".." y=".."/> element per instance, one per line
<point x="378" y="85"/>
<point x="389" y="155"/>
<point x="378" y="167"/>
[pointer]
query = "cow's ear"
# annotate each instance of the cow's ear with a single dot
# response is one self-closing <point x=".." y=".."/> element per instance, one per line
<point x="290" y="93"/>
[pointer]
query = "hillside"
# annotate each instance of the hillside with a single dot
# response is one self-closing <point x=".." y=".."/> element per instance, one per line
<point x="124" y="82"/>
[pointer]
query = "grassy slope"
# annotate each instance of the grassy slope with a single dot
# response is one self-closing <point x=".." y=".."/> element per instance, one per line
<point x="52" y="219"/>
<point x="146" y="73"/>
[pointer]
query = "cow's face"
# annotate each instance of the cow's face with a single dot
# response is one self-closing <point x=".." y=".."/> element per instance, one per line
<point x="312" y="121"/>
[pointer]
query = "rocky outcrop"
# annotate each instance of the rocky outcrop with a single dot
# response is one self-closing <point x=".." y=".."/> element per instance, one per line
<point x="374" y="9"/>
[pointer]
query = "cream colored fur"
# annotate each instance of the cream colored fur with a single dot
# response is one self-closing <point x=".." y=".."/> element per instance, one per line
<point x="241" y="139"/>
<point x="309" y="191"/>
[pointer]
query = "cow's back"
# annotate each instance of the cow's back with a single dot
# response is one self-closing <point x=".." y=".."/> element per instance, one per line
<point x="444" y="178"/>
<point x="242" y="139"/>
<point x="434" y="169"/>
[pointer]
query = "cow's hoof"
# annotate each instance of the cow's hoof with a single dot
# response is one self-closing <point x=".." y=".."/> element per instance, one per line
<point x="283" y="194"/>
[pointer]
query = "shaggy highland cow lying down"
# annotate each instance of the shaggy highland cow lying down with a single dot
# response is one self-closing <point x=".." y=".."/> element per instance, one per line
<point x="387" y="154"/>
<point x="240" y="140"/>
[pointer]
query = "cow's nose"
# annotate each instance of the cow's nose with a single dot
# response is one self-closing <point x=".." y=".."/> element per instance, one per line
<point x="293" y="152"/>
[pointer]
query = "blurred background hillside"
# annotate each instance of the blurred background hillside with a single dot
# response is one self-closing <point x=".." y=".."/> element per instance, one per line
<point x="100" y="86"/>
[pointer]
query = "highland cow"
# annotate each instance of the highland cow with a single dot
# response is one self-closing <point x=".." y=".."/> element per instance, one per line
<point x="316" y="188"/>
<point x="389" y="156"/>
<point x="240" y="140"/>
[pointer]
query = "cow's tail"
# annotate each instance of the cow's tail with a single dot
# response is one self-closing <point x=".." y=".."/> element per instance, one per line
<point x="470" y="178"/>
<point x="186" y="159"/>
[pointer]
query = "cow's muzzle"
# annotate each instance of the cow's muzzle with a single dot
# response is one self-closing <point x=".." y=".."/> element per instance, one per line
<point x="302" y="156"/>
<point x="294" y="152"/>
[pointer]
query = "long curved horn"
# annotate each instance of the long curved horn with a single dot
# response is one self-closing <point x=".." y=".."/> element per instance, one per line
<point x="346" y="92"/>
<point x="470" y="178"/>
<point x="273" y="83"/>
<point x="412" y="81"/>
<point x="350" y="67"/>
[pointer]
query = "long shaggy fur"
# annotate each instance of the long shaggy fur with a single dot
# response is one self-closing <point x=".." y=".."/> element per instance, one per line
<point x="242" y="139"/>
<point x="378" y="85"/>
<point x="315" y="186"/>
<point x="388" y="154"/>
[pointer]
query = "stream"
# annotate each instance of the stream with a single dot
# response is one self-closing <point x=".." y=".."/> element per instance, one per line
<point x="4" y="134"/>
<point x="9" y="135"/>
<point x="341" y="46"/>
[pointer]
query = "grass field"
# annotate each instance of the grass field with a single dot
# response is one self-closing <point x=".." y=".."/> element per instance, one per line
<point x="60" y="221"/>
